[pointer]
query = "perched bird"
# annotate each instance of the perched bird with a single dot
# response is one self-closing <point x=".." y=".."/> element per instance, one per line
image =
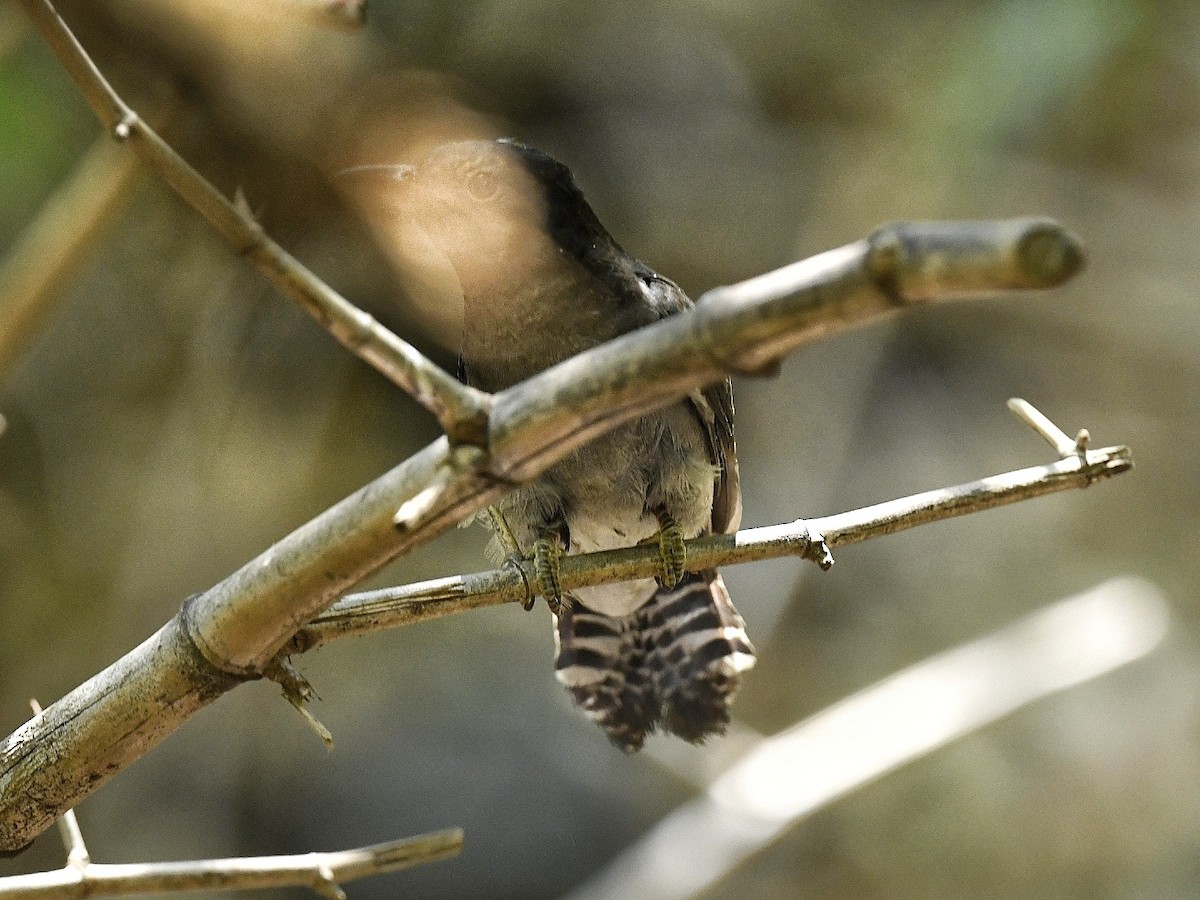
<point x="542" y="280"/>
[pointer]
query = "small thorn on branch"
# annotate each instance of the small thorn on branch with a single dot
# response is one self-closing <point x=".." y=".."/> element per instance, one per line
<point x="818" y="550"/>
<point x="124" y="128"/>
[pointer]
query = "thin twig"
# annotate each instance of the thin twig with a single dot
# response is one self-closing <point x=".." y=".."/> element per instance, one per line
<point x="810" y="538"/>
<point x="461" y="411"/>
<point x="1049" y="432"/>
<point x="323" y="872"/>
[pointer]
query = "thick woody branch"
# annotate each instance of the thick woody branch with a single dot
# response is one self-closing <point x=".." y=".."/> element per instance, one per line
<point x="459" y="409"/>
<point x="809" y="538"/>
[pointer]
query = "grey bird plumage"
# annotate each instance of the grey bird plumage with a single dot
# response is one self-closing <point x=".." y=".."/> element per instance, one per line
<point x="543" y="280"/>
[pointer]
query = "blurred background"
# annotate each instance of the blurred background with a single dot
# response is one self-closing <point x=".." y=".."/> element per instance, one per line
<point x="169" y="416"/>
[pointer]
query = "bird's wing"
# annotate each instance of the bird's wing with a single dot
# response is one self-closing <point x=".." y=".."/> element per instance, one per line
<point x="713" y="407"/>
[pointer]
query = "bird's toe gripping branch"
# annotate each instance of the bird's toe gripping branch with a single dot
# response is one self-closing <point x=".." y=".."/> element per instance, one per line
<point x="671" y="550"/>
<point x="547" y="551"/>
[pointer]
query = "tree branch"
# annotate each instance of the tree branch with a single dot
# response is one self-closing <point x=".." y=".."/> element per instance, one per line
<point x="461" y="410"/>
<point x="809" y="538"/>
<point x="323" y="872"/>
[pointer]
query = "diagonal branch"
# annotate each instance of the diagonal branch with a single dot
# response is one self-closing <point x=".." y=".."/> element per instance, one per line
<point x="461" y="410"/>
<point x="809" y="538"/>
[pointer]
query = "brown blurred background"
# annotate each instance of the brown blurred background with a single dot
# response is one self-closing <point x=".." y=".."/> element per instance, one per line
<point x="173" y="415"/>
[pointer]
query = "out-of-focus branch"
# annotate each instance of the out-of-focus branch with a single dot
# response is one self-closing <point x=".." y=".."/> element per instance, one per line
<point x="461" y="410"/>
<point x="54" y="246"/>
<point x="810" y="538"/>
<point x="344" y="14"/>
<point x="786" y="777"/>
<point x="13" y="29"/>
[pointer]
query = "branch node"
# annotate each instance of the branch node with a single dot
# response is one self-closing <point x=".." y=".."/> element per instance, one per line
<point x="817" y="549"/>
<point x="460" y="459"/>
<point x="298" y="691"/>
<point x="882" y="261"/>
<point x="326" y="885"/>
<point x="124" y="128"/>
<point x="1048" y="254"/>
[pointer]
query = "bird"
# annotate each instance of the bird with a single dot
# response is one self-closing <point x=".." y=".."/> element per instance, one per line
<point x="543" y="280"/>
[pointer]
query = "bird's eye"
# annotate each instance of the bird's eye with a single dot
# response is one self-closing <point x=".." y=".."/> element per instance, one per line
<point x="482" y="186"/>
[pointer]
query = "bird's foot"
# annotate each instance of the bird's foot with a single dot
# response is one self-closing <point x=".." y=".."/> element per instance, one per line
<point x="671" y="551"/>
<point x="547" y="550"/>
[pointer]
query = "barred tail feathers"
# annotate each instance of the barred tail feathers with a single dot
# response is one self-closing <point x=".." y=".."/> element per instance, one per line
<point x="698" y="652"/>
<point x="676" y="662"/>
<point x="599" y="661"/>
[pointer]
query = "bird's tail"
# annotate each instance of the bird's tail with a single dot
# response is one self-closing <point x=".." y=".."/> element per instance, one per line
<point x="676" y="662"/>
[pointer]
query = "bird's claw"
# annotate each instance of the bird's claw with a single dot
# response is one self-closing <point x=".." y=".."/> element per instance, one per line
<point x="546" y="553"/>
<point x="671" y="551"/>
<point x="516" y="562"/>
